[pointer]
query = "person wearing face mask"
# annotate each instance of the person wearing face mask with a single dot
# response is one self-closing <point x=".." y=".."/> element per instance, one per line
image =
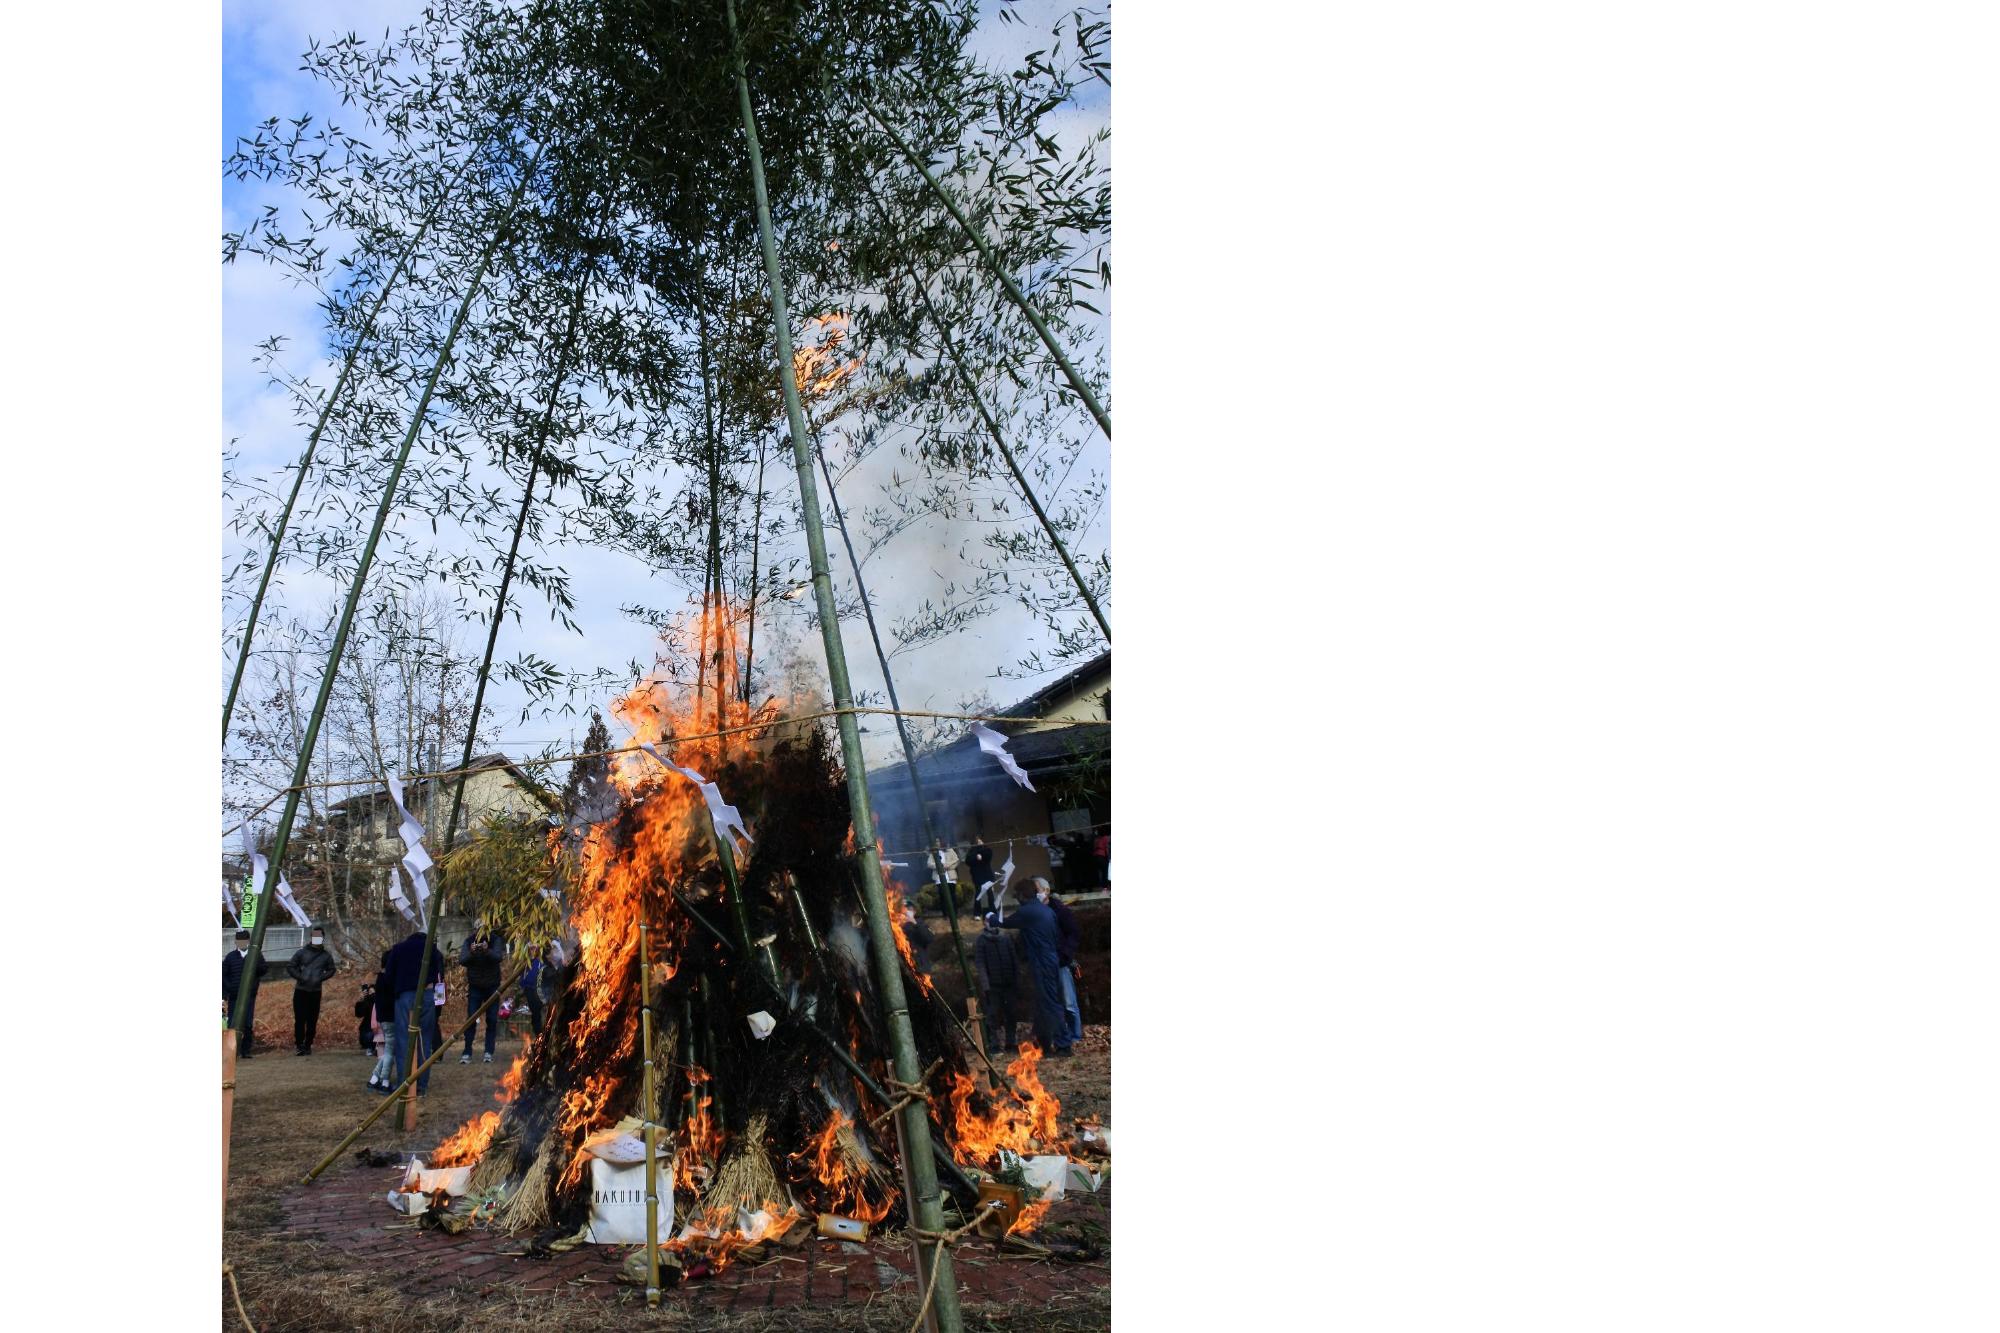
<point x="309" y="969"/>
<point x="233" y="964"/>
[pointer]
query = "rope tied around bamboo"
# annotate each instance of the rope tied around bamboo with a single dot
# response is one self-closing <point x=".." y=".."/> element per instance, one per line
<point x="943" y="1240"/>
<point x="906" y="1093"/>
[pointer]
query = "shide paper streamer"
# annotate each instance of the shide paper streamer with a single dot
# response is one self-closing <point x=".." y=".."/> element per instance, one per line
<point x="995" y="744"/>
<point x="726" y="817"/>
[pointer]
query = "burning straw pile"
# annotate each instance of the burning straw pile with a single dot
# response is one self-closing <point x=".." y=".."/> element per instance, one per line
<point x="786" y="1125"/>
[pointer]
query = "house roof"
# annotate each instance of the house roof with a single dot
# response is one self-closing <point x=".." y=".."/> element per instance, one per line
<point x="1035" y="749"/>
<point x="520" y="775"/>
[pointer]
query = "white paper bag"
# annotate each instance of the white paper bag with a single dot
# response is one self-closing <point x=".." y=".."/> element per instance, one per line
<point x="453" y="1180"/>
<point x="618" y="1201"/>
<point x="1046" y="1174"/>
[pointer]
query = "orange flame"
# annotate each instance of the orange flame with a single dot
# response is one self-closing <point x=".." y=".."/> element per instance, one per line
<point x="1018" y="1125"/>
<point x="829" y="1165"/>
<point x="468" y="1145"/>
<point x="819" y="365"/>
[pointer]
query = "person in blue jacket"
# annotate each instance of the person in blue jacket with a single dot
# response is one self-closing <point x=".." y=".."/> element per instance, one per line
<point x="1041" y="940"/>
<point x="404" y="961"/>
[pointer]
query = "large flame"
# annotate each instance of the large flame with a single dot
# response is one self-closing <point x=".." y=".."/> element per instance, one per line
<point x="634" y="868"/>
<point x="819" y="362"/>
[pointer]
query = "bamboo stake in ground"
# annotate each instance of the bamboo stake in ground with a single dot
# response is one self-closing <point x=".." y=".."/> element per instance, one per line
<point x="301" y="771"/>
<point x="652" y="1131"/>
<point x="994" y="266"/>
<point x="228" y="1103"/>
<point x="390" y="1100"/>
<point x="926" y="1205"/>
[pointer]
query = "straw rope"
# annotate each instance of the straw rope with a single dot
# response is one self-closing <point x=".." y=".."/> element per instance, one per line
<point x="229" y="1271"/>
<point x="906" y="1093"/>
<point x="942" y="1240"/>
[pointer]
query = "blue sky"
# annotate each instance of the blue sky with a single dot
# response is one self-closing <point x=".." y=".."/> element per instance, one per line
<point x="261" y="45"/>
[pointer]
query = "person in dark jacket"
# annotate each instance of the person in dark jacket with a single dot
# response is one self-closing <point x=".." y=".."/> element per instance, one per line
<point x="403" y="963"/>
<point x="919" y="936"/>
<point x="1069" y="943"/>
<point x="364" y="1015"/>
<point x="998" y="964"/>
<point x="233" y="964"/>
<point x="530" y="986"/>
<point x="481" y="957"/>
<point x="309" y="969"/>
<point x="1041" y="937"/>
<point x="979" y="864"/>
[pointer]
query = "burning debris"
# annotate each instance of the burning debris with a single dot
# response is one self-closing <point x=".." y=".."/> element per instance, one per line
<point x="769" y="1052"/>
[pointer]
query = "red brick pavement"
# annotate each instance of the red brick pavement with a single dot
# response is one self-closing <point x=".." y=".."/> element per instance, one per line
<point x="347" y="1211"/>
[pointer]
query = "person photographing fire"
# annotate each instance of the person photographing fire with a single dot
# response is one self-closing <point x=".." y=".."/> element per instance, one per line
<point x="1041" y="940"/>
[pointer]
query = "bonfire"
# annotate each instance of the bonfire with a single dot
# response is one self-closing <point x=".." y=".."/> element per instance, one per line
<point x="763" y="933"/>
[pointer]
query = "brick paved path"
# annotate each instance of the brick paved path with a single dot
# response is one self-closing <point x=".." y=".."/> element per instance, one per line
<point x="348" y="1212"/>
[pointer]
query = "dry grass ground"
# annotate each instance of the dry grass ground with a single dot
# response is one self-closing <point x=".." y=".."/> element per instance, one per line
<point x="291" y="1111"/>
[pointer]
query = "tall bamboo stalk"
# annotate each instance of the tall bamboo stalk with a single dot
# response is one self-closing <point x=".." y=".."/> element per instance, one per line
<point x="382" y="511"/>
<point x="913" y="1120"/>
<point x="652" y="1130"/>
<point x="945" y="886"/>
<point x="756" y="535"/>
<point x="993" y="264"/>
<point x="435" y="908"/>
<point x="971" y="387"/>
<point x="312" y="441"/>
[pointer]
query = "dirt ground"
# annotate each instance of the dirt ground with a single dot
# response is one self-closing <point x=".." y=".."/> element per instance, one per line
<point x="291" y="1111"/>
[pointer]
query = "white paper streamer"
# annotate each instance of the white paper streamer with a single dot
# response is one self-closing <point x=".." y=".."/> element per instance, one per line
<point x="725" y="817"/>
<point x="995" y="744"/>
<point x="229" y="905"/>
<point x="291" y="904"/>
<point x="398" y="898"/>
<point x="416" y="860"/>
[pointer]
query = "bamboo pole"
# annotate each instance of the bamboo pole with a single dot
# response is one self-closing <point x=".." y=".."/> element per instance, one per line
<point x="926" y="1205"/>
<point x="410" y="1080"/>
<point x="228" y="1103"/>
<point x="709" y="1053"/>
<point x="945" y="886"/>
<point x="652" y="1130"/>
<point x="300" y="771"/>
<point x="1013" y="289"/>
<point x="312" y="442"/>
<point x="756" y="536"/>
<point x="971" y="387"/>
<point x="513" y="551"/>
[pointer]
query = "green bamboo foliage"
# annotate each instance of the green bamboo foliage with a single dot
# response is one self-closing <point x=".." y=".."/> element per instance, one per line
<point x="999" y="271"/>
<point x="913" y="1121"/>
<point x="346" y="624"/>
<point x="333" y="399"/>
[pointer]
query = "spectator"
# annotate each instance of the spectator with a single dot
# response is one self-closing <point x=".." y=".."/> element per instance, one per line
<point x="919" y="936"/>
<point x="1069" y="944"/>
<point x="944" y="866"/>
<point x="233" y="964"/>
<point x="530" y="986"/>
<point x="309" y="969"/>
<point x="434" y="1015"/>
<point x="1057" y="858"/>
<point x="383" y="1015"/>
<point x="364" y="1015"/>
<point x="1100" y="855"/>
<point x="402" y="963"/>
<point x="979" y="865"/>
<point x="482" y="977"/>
<point x="1041" y="937"/>
<point x="998" y="964"/>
